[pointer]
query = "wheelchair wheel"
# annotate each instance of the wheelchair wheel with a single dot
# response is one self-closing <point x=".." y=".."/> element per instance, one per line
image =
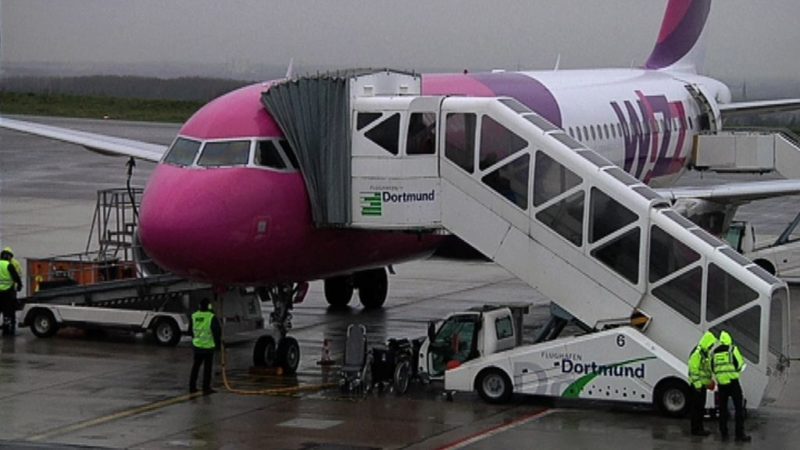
<point x="402" y="377"/>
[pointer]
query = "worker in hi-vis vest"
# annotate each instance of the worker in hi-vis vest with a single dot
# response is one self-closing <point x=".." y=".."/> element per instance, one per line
<point x="726" y="365"/>
<point x="700" y="379"/>
<point x="206" y="337"/>
<point x="10" y="283"/>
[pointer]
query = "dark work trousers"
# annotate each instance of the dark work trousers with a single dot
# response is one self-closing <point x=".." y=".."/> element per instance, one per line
<point x="205" y="357"/>
<point x="698" y="405"/>
<point x="734" y="391"/>
<point x="8" y="306"/>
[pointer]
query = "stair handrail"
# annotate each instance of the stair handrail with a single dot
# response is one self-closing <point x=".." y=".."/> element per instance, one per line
<point x="786" y="132"/>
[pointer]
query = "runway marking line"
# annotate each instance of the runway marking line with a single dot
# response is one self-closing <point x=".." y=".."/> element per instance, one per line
<point x="111" y="417"/>
<point x="485" y="434"/>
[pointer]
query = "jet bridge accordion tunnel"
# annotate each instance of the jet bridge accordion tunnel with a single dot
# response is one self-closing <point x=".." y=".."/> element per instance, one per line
<point x="314" y="114"/>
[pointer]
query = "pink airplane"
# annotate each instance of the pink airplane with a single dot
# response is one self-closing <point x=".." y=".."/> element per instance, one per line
<point x="228" y="205"/>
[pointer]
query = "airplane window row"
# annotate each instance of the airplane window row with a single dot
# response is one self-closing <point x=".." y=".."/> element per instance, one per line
<point x="613" y="131"/>
<point x="274" y="154"/>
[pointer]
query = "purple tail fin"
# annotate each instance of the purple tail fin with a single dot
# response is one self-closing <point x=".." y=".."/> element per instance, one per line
<point x="680" y="44"/>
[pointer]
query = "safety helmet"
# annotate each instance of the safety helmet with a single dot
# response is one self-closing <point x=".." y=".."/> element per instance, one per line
<point x="708" y="340"/>
<point x="725" y="338"/>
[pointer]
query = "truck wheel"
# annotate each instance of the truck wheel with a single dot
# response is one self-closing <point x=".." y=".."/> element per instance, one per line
<point x="264" y="352"/>
<point x="43" y="324"/>
<point x="402" y="377"/>
<point x="494" y="386"/>
<point x="289" y="355"/>
<point x="167" y="333"/>
<point x="671" y="397"/>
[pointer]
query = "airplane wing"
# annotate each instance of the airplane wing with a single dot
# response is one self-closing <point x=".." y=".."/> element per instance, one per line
<point x="106" y="145"/>
<point x="766" y="106"/>
<point x="734" y="193"/>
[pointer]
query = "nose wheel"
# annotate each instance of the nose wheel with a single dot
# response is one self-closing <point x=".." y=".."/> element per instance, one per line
<point x="283" y="352"/>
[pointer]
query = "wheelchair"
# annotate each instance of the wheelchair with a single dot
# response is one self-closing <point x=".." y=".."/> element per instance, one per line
<point x="356" y="372"/>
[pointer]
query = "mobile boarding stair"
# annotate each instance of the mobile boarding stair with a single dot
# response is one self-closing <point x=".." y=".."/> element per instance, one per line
<point x="742" y="150"/>
<point x="745" y="150"/>
<point x="598" y="242"/>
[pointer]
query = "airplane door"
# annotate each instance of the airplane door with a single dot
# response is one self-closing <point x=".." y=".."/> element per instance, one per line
<point x="710" y="117"/>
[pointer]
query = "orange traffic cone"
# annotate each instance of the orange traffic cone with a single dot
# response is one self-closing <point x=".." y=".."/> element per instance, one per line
<point x="326" y="359"/>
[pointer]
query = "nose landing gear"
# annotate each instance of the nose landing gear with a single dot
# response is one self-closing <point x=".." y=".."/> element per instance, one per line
<point x="283" y="352"/>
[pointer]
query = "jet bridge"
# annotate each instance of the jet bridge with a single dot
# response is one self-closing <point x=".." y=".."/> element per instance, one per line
<point x="598" y="242"/>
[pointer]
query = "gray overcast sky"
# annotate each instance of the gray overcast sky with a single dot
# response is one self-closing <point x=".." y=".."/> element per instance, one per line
<point x="748" y="37"/>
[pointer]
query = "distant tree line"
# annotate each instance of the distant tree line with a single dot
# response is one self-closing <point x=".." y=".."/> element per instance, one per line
<point x="185" y="88"/>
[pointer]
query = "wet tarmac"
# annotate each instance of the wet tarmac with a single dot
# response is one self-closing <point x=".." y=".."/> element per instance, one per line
<point x="122" y="391"/>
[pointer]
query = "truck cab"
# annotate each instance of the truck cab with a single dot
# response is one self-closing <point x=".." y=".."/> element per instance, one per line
<point x="464" y="336"/>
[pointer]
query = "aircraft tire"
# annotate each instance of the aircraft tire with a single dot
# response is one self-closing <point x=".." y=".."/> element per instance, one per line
<point x="264" y="353"/>
<point x="288" y="356"/>
<point x="339" y="291"/>
<point x="373" y="287"/>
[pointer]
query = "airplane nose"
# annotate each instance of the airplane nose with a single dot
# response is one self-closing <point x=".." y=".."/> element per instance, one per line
<point x="198" y="223"/>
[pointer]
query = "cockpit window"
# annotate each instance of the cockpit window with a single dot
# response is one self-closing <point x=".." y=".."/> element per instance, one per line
<point x="289" y="153"/>
<point x="182" y="152"/>
<point x="231" y="153"/>
<point x="268" y="155"/>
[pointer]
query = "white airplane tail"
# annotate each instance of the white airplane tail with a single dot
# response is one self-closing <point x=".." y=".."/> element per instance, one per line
<point x="681" y="41"/>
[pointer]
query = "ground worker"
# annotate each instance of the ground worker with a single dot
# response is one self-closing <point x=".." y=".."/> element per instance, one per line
<point x="726" y="366"/>
<point x="206" y="332"/>
<point x="700" y="379"/>
<point x="10" y="283"/>
<point x="14" y="261"/>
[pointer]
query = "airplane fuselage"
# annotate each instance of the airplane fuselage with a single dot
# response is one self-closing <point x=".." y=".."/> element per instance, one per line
<point x="250" y="224"/>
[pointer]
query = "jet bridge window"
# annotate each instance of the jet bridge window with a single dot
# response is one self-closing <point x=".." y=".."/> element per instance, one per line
<point x="607" y="215"/>
<point x="366" y="118"/>
<point x="725" y="293"/>
<point x="386" y="133"/>
<point x="565" y="217"/>
<point x="622" y="255"/>
<point x="497" y="143"/>
<point x="182" y="152"/>
<point x="745" y="329"/>
<point x="777" y="313"/>
<point x="421" y="134"/>
<point x="267" y="155"/>
<point x="667" y="254"/>
<point x="227" y="153"/>
<point x="551" y="179"/>
<point x="460" y="140"/>
<point x="682" y="293"/>
<point x="511" y="181"/>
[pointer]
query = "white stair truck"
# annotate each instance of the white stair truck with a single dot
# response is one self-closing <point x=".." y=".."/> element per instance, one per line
<point x="479" y="350"/>
<point x="599" y="243"/>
